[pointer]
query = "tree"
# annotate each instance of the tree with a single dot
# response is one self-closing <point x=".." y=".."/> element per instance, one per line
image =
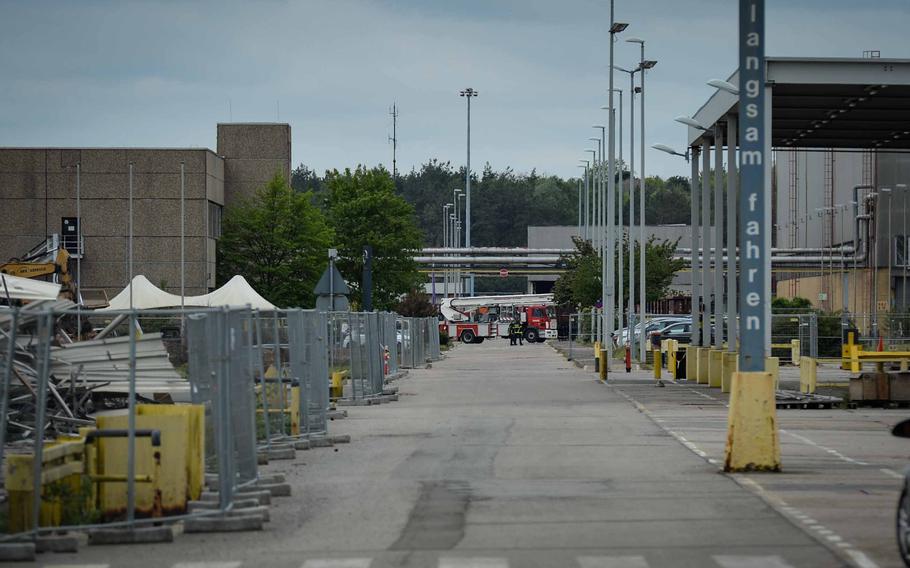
<point x="416" y="304"/>
<point x="580" y="285"/>
<point x="363" y="209"/>
<point x="277" y="240"/>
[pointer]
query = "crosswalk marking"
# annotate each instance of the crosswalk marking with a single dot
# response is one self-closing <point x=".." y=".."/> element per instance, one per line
<point x="473" y="563"/>
<point x="339" y="563"/>
<point x="612" y="562"/>
<point x="751" y="562"/>
<point x="207" y="565"/>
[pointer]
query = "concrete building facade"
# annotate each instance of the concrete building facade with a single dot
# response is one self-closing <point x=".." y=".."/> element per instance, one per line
<point x="38" y="190"/>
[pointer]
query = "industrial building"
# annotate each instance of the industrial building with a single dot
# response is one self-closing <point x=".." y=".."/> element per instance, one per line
<point x="39" y="188"/>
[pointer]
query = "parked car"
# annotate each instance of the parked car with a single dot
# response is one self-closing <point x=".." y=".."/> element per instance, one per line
<point x="902" y="521"/>
<point x="621" y="337"/>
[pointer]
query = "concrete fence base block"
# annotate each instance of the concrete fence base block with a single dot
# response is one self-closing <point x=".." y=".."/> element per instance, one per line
<point x="282" y="454"/>
<point x="57" y="543"/>
<point x="752" y="438"/>
<point x="388" y="398"/>
<point x="340" y="439"/>
<point x="276" y="489"/>
<point x="261" y="510"/>
<point x="390" y="390"/>
<point x="263" y="497"/>
<point x="355" y="402"/>
<point x="138" y="535"/>
<point x="321" y="442"/>
<point x="262" y="458"/>
<point x="337" y="414"/>
<point x="17" y="552"/>
<point x="272" y="478"/>
<point x="302" y="445"/>
<point x="195" y="506"/>
<point x="226" y="523"/>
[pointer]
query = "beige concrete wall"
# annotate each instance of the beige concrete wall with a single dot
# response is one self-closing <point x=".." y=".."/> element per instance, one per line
<point x="38" y="188"/>
<point x="253" y="153"/>
<point x="859" y="285"/>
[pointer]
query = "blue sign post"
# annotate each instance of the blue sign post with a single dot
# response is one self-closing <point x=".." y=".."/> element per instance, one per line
<point x="753" y="256"/>
<point x="752" y="438"/>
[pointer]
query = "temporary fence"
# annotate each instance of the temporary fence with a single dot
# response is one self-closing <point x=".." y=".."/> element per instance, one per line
<point x="419" y="341"/>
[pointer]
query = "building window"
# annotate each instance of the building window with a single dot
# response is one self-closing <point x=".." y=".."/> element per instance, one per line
<point x="900" y="250"/>
<point x="214" y="220"/>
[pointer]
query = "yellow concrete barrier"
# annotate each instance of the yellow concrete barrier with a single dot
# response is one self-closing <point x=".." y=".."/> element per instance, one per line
<point x="772" y="365"/>
<point x="658" y="364"/>
<point x="715" y="367"/>
<point x="795" y="352"/>
<point x="691" y="362"/>
<point x="703" y="365"/>
<point x="62" y="469"/>
<point x="752" y="440"/>
<point x="731" y="365"/>
<point x="808" y="373"/>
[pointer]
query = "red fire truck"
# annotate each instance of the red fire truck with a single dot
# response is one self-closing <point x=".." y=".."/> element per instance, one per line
<point x="474" y="319"/>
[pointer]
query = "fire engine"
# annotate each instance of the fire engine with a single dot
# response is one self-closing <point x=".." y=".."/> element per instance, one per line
<point x="477" y="318"/>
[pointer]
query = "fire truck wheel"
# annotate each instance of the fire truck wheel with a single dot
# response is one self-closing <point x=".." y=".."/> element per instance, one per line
<point x="532" y="335"/>
<point x="467" y="336"/>
<point x="479" y="340"/>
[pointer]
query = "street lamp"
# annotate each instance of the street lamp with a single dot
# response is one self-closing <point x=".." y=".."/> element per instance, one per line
<point x="455" y="195"/>
<point x="597" y="181"/>
<point x="670" y="150"/>
<point x="724" y="86"/>
<point x="617" y="212"/>
<point x="445" y="243"/>
<point x="468" y="93"/>
<point x="690" y="122"/>
<point x="586" y="165"/>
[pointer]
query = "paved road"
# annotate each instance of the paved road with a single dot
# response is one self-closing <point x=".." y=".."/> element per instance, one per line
<point x="500" y="456"/>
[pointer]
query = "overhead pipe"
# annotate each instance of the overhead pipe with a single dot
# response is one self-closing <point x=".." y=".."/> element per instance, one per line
<point x="495" y="250"/>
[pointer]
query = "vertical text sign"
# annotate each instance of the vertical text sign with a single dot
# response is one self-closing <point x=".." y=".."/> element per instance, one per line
<point x="752" y="179"/>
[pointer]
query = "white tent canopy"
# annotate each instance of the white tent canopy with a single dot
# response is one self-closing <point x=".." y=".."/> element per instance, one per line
<point x="237" y="292"/>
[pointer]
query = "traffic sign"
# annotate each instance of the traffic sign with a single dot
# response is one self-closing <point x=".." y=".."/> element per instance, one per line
<point x="503" y="272"/>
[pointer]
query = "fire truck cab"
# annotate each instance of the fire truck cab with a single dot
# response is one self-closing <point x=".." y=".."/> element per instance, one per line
<point x="474" y="319"/>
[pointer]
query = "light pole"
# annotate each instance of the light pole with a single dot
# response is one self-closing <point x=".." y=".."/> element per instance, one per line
<point x="617" y="197"/>
<point x="586" y="164"/>
<point x="456" y="194"/>
<point x="594" y="210"/>
<point x="615" y="28"/>
<point x="606" y="231"/>
<point x="579" y="208"/>
<point x="643" y="65"/>
<point x="597" y="181"/>
<point x="468" y="93"/>
<point x="445" y="243"/>
<point x="631" y="308"/>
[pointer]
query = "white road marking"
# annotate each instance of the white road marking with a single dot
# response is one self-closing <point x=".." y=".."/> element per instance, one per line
<point x="891" y="473"/>
<point x="338" y="563"/>
<point x="473" y="563"/>
<point x="752" y="562"/>
<point x="207" y="565"/>
<point x="77" y="566"/>
<point x="860" y="559"/>
<point x="612" y="562"/>
<point x="831" y="451"/>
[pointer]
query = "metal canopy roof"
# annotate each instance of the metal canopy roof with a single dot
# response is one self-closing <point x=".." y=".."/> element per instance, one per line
<point x="827" y="103"/>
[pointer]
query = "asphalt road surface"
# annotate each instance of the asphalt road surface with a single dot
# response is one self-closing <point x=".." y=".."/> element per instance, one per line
<point x="499" y="457"/>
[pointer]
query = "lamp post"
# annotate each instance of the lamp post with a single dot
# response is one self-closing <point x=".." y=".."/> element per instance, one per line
<point x="615" y="28"/>
<point x="594" y="218"/>
<point x="644" y="64"/>
<point x="597" y="176"/>
<point x="468" y="93"/>
<point x="445" y="243"/>
<point x="606" y="252"/>
<point x="617" y="197"/>
<point x="586" y="164"/>
<point x="631" y="308"/>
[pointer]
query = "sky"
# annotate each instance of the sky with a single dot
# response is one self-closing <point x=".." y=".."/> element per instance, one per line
<point x="163" y="73"/>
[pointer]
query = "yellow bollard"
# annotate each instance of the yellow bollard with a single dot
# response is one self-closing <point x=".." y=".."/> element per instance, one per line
<point x="795" y="352"/>
<point x="772" y="365"/>
<point x="603" y="365"/>
<point x="715" y="367"/>
<point x="731" y="365"/>
<point x="691" y="362"/>
<point x="752" y="439"/>
<point x="808" y="374"/>
<point x="658" y="362"/>
<point x="703" y="365"/>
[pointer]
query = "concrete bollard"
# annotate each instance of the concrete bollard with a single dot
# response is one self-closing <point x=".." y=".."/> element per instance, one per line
<point x="752" y="438"/>
<point x="715" y="368"/>
<point x="658" y="364"/>
<point x="808" y="369"/>
<point x="731" y="366"/>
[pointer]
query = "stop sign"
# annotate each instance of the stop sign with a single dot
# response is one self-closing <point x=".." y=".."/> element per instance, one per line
<point x="503" y="272"/>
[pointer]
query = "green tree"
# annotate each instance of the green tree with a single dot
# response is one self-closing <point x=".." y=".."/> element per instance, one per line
<point x="363" y="209"/>
<point x="416" y="304"/>
<point x="277" y="240"/>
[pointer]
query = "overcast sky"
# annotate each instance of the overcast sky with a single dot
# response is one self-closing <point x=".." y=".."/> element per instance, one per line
<point x="161" y="74"/>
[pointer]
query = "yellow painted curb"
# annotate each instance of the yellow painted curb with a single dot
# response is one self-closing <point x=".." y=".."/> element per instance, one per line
<point x="752" y="440"/>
